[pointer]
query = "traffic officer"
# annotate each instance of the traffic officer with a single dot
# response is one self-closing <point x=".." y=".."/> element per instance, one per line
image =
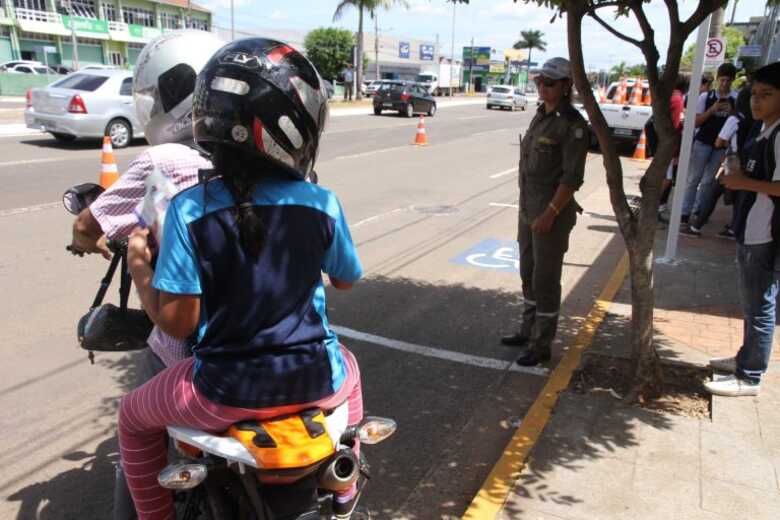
<point x="552" y="166"/>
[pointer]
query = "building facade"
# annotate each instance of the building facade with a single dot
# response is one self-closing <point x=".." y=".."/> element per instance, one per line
<point x="108" y="32"/>
<point x="397" y="58"/>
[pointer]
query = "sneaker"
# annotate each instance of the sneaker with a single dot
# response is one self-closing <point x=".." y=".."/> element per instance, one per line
<point x="684" y="219"/>
<point x="727" y="233"/>
<point x="344" y="510"/>
<point x="690" y="231"/>
<point x="724" y="364"/>
<point x="732" y="386"/>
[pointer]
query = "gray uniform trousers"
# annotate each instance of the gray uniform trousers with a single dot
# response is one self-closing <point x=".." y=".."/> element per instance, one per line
<point x="541" y="266"/>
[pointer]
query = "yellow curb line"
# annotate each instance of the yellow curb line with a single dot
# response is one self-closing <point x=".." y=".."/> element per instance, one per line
<point x="490" y="499"/>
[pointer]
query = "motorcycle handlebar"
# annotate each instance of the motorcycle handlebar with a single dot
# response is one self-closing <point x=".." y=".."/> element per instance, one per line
<point x="117" y="247"/>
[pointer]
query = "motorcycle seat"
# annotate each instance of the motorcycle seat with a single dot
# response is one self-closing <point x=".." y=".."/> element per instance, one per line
<point x="232" y="450"/>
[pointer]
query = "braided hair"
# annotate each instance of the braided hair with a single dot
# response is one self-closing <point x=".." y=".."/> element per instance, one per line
<point x="240" y="173"/>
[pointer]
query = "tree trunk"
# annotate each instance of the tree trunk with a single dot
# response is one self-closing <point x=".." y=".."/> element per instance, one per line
<point x="638" y="230"/>
<point x="528" y="69"/>
<point x="716" y="25"/>
<point x="359" y="67"/>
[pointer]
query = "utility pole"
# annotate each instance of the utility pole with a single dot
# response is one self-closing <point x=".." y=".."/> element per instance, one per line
<point x="73" y="40"/>
<point x="452" y="59"/>
<point x="189" y="14"/>
<point x="472" y="90"/>
<point x="376" y="45"/>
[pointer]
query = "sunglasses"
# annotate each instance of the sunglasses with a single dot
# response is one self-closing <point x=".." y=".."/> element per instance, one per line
<point x="547" y="82"/>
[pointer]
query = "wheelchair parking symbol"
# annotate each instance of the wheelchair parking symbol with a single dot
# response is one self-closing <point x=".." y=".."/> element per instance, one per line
<point x="493" y="254"/>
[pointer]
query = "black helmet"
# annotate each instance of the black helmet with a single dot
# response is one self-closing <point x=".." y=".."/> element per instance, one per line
<point x="264" y="97"/>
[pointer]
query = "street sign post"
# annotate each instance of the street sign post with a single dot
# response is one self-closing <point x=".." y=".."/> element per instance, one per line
<point x="714" y="52"/>
<point x="749" y="51"/>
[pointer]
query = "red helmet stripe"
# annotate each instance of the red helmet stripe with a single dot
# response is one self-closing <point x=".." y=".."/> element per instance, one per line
<point x="277" y="55"/>
<point x="257" y="130"/>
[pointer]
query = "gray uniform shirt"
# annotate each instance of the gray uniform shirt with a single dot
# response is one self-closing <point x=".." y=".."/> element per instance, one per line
<point x="552" y="152"/>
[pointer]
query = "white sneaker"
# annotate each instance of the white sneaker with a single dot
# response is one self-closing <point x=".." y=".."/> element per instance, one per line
<point x="724" y="364"/>
<point x="731" y="386"/>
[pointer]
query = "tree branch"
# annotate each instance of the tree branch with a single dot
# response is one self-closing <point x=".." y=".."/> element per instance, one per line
<point x="674" y="12"/>
<point x="592" y="13"/>
<point x="705" y="8"/>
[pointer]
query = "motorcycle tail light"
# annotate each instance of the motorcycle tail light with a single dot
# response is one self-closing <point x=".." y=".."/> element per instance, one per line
<point x="376" y="429"/>
<point x="182" y="476"/>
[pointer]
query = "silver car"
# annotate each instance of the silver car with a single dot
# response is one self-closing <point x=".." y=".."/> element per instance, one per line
<point x="503" y="96"/>
<point x="90" y="103"/>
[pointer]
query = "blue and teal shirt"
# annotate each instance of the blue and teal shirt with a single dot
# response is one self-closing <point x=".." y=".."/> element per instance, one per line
<point x="263" y="338"/>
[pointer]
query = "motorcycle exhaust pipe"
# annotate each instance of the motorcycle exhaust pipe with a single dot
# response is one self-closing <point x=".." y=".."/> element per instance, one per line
<point x="340" y="472"/>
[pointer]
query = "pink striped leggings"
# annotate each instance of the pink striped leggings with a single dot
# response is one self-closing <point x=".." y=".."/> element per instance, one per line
<point x="170" y="399"/>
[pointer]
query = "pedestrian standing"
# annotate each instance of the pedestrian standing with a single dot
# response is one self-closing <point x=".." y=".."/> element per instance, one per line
<point x="713" y="108"/>
<point x="349" y="76"/>
<point x="757" y="230"/>
<point x="552" y="167"/>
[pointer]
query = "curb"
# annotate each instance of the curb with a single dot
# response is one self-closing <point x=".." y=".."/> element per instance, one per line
<point x="500" y="483"/>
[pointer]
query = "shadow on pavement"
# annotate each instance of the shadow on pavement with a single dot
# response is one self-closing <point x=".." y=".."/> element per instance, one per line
<point x="78" y="144"/>
<point x="87" y="490"/>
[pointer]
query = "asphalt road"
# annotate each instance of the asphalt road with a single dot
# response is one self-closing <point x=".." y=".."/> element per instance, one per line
<point x="434" y="227"/>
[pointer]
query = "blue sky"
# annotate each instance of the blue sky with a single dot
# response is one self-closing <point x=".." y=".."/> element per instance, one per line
<point x="495" y="23"/>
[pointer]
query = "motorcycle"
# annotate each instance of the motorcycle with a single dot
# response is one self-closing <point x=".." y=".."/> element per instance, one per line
<point x="284" y="468"/>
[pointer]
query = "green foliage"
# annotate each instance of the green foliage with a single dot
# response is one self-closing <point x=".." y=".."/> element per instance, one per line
<point x="531" y="40"/>
<point x="734" y="39"/>
<point x="329" y="49"/>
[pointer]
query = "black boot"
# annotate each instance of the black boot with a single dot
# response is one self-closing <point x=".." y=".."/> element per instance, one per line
<point x="533" y="356"/>
<point x="515" y="340"/>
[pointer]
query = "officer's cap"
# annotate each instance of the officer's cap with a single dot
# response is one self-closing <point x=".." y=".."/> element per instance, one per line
<point x="556" y="68"/>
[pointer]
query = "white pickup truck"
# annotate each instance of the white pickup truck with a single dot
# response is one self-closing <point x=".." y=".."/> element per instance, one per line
<point x="625" y="121"/>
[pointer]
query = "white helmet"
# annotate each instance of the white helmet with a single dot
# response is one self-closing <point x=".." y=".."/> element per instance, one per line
<point x="164" y="80"/>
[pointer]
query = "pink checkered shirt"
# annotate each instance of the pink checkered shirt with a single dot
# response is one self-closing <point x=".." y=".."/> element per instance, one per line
<point x="114" y="211"/>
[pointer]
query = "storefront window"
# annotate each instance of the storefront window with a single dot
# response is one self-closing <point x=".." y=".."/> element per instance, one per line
<point x="138" y="16"/>
<point x="110" y="13"/>
<point x="195" y="23"/>
<point x="36" y="5"/>
<point x="170" y="21"/>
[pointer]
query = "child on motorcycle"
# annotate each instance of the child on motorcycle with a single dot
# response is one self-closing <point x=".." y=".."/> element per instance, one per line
<point x="240" y="265"/>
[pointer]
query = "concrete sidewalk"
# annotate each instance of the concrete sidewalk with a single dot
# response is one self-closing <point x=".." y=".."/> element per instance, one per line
<point x="598" y="459"/>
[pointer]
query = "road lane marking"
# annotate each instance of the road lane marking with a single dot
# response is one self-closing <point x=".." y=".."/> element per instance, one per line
<point x="490" y="499"/>
<point x="24" y="162"/>
<point x="377" y="217"/>
<point x="466" y="118"/>
<point x="372" y="152"/>
<point x="29" y="209"/>
<point x="503" y="205"/>
<point x="488" y="132"/>
<point x="503" y="173"/>
<point x="447" y="355"/>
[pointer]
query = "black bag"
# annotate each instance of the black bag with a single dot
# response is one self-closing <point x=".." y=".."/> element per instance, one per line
<point x="108" y="328"/>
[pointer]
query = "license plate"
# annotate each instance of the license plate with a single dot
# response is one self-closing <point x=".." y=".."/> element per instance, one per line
<point x="387" y="104"/>
<point x="623" y="131"/>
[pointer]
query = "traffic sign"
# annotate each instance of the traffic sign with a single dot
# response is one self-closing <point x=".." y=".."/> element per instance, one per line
<point x="492" y="254"/>
<point x="714" y="52"/>
<point x="750" y="51"/>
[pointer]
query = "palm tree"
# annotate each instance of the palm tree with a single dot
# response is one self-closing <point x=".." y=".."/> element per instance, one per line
<point x="531" y="40"/>
<point x="362" y="6"/>
<point x="619" y="70"/>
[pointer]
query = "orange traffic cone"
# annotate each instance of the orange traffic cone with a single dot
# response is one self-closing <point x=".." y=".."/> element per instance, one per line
<point x="602" y="95"/>
<point x="620" y="96"/>
<point x="636" y="93"/>
<point x="109" y="172"/>
<point x="641" y="146"/>
<point x="421" y="139"/>
<point x="647" y="99"/>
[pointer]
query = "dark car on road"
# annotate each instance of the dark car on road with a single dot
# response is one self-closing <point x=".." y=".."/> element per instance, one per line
<point x="403" y="97"/>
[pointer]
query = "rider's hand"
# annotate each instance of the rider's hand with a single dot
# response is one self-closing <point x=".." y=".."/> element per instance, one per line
<point x="544" y="222"/>
<point x="138" y="250"/>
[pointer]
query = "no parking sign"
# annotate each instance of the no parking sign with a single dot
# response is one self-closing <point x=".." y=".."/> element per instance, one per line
<point x="714" y="52"/>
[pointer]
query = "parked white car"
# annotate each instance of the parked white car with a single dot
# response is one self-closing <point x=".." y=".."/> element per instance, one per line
<point x="11" y="64"/>
<point x="506" y="96"/>
<point x="90" y="103"/>
<point x="26" y="68"/>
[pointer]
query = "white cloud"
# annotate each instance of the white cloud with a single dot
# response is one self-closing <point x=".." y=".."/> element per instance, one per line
<point x="425" y="7"/>
<point x="278" y="15"/>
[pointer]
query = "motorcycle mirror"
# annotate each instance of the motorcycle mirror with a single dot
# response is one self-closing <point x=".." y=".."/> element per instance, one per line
<point x="376" y="429"/>
<point x="79" y="197"/>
